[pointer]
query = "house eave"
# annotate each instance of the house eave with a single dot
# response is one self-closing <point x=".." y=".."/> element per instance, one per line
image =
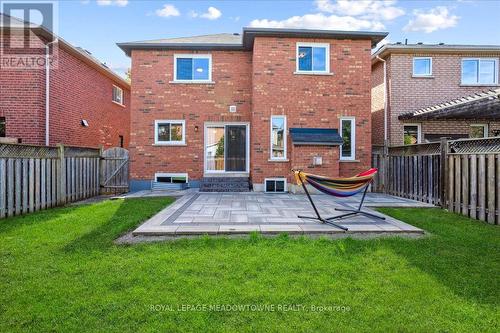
<point x="387" y="50"/>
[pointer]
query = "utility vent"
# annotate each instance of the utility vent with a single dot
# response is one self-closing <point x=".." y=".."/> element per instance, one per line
<point x="232" y="108"/>
<point x="85" y="123"/>
<point x="275" y="185"/>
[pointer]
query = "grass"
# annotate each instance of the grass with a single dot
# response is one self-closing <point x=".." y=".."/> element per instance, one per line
<point x="61" y="271"/>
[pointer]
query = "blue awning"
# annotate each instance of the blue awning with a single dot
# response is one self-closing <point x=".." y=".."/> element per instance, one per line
<point x="316" y="136"/>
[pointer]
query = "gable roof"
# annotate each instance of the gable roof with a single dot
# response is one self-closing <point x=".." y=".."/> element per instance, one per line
<point x="440" y="48"/>
<point x="485" y="105"/>
<point x="244" y="41"/>
<point x="10" y="22"/>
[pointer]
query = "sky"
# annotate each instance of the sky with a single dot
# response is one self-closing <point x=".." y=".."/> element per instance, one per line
<point x="97" y="25"/>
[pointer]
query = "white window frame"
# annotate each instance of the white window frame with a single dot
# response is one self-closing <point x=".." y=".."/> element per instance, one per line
<point x="170" y="143"/>
<point x="430" y="67"/>
<point x="169" y="174"/>
<point x="285" y="188"/>
<point x="327" y="60"/>
<point x="485" y="128"/>
<point x="419" y="131"/>
<point x="121" y="94"/>
<point x="477" y="83"/>
<point x="284" y="158"/>
<point x="353" y="139"/>
<point x="193" y="56"/>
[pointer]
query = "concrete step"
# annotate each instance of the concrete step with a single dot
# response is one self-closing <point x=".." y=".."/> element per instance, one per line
<point x="222" y="184"/>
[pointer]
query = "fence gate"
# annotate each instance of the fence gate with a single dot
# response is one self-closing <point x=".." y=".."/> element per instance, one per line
<point x="114" y="170"/>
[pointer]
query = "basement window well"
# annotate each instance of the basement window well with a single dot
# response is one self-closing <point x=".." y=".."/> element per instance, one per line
<point x="275" y="185"/>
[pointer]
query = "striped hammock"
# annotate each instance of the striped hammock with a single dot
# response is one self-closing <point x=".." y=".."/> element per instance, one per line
<point x="338" y="187"/>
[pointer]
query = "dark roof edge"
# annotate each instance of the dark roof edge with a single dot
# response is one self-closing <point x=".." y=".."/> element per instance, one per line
<point x="388" y="49"/>
<point x="249" y="35"/>
<point x="128" y="47"/>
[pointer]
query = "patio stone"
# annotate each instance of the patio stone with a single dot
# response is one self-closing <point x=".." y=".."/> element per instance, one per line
<point x="230" y="213"/>
<point x="235" y="229"/>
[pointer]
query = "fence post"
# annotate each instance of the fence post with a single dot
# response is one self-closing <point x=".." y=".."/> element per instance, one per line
<point x="100" y="171"/>
<point x="443" y="175"/>
<point x="61" y="190"/>
<point x="385" y="158"/>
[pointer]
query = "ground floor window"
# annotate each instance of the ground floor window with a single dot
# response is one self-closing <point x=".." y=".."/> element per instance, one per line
<point x="478" y="131"/>
<point x="348" y="132"/>
<point x="412" y="134"/>
<point x="278" y="137"/>
<point x="172" y="178"/>
<point x="275" y="185"/>
<point x="170" y="132"/>
<point x="2" y="127"/>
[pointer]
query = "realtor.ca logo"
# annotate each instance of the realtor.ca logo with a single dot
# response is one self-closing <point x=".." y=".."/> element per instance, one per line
<point x="28" y="34"/>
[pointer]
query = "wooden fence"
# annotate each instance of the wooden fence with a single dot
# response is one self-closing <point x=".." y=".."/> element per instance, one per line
<point x="461" y="175"/>
<point x="38" y="177"/>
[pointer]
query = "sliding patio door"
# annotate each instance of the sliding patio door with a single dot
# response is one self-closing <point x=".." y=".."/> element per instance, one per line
<point x="226" y="148"/>
<point x="236" y="145"/>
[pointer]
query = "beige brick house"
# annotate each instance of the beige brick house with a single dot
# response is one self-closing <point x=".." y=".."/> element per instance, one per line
<point x="419" y="78"/>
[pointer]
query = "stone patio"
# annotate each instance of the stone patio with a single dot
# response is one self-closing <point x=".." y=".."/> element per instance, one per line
<point x="198" y="213"/>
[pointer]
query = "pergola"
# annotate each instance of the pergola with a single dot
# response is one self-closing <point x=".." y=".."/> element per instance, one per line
<point x="484" y="106"/>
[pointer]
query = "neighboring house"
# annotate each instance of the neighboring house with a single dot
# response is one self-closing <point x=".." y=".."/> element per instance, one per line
<point x="253" y="105"/>
<point x="420" y="78"/>
<point x="88" y="104"/>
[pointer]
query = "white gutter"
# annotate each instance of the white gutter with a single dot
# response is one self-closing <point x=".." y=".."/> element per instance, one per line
<point x="385" y="99"/>
<point x="47" y="92"/>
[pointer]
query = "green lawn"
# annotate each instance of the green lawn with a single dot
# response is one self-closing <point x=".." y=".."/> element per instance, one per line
<point x="60" y="271"/>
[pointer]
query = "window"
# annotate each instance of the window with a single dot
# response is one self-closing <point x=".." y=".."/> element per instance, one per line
<point x="2" y="127"/>
<point x="170" y="132"/>
<point x="278" y="137"/>
<point x="480" y="71"/>
<point x="412" y="134"/>
<point x="171" y="178"/>
<point x="275" y="185"/>
<point x="117" y="95"/>
<point x="422" y="66"/>
<point x="478" y="131"/>
<point x="348" y="131"/>
<point x="193" y="68"/>
<point x="313" y="58"/>
<point x="121" y="140"/>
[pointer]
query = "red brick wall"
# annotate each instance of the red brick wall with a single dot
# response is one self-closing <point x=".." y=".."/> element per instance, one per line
<point x="77" y="91"/>
<point x="309" y="100"/>
<point x="155" y="98"/>
<point x="377" y="107"/>
<point x="410" y="94"/>
<point x="22" y="98"/>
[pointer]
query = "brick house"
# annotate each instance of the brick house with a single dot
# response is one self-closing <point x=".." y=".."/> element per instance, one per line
<point x="419" y="79"/>
<point x="87" y="105"/>
<point x="253" y="106"/>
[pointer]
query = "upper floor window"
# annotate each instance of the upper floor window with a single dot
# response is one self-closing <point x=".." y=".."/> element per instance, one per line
<point x="170" y="132"/>
<point x="313" y="58"/>
<point x="193" y="67"/>
<point x="278" y="137"/>
<point x="480" y="71"/>
<point x="422" y="66"/>
<point x="118" y="95"/>
<point x="348" y="131"/>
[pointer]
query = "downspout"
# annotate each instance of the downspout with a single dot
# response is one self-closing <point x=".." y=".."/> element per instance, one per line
<point x="47" y="92"/>
<point x="385" y="100"/>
